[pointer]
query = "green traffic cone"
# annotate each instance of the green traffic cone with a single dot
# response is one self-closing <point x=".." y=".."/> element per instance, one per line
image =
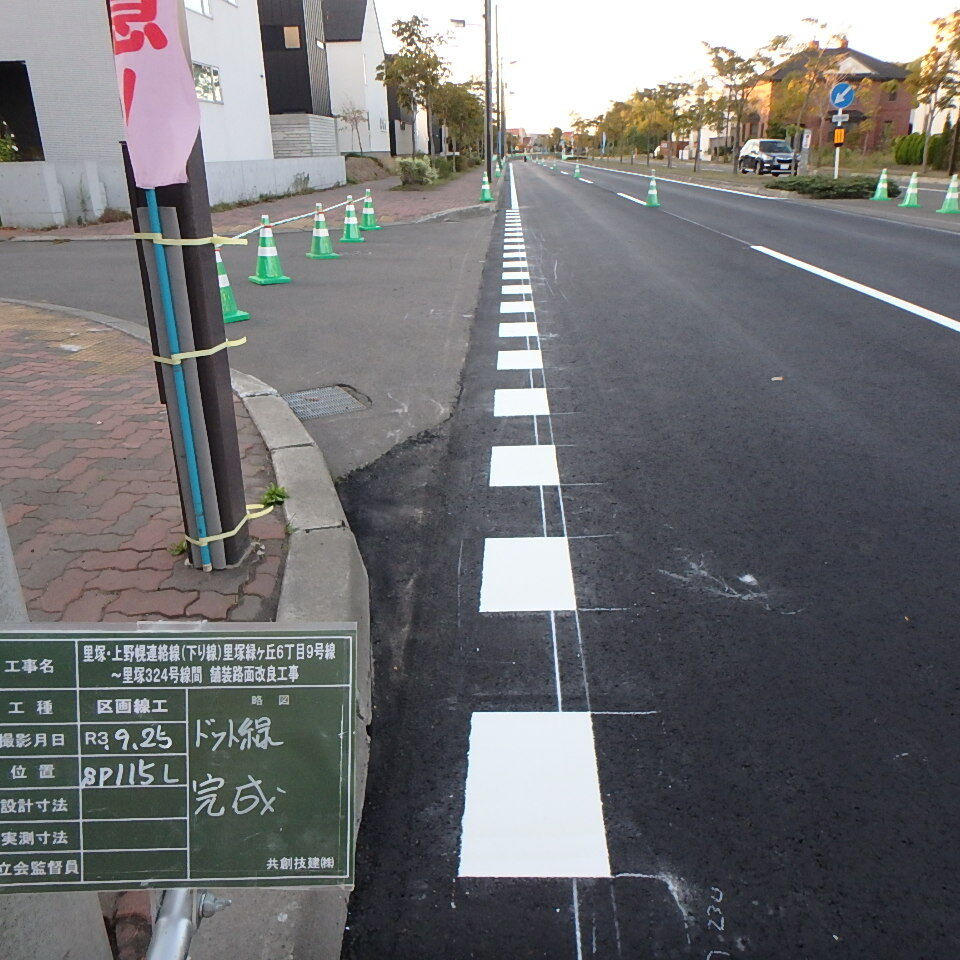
<point x="351" y="232"/>
<point x="320" y="246"/>
<point x="576" y="171"/>
<point x="485" y="195"/>
<point x="881" y="193"/>
<point x="912" y="199"/>
<point x="268" y="259"/>
<point x="228" y="303"/>
<point x="499" y="170"/>
<point x="950" y="201"/>
<point x="653" y="198"/>
<point x="368" y="219"/>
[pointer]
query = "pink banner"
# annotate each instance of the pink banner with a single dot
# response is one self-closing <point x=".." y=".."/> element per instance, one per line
<point x="159" y="97"/>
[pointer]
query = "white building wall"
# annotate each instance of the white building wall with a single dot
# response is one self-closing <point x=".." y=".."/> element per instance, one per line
<point x="239" y="127"/>
<point x="66" y="47"/>
<point x="348" y="91"/>
<point x="373" y="54"/>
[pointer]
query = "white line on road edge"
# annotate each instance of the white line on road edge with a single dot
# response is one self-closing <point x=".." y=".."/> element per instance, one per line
<point x="514" y="205"/>
<point x="863" y="288"/>
<point x="626" y="196"/>
<point x="687" y="183"/>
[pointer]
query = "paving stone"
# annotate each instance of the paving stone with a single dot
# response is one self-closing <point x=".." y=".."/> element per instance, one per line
<point x="89" y="485"/>
<point x="168" y="603"/>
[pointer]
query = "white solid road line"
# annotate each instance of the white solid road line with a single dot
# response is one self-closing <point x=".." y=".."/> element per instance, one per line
<point x="521" y="402"/>
<point x="686" y="183"/>
<point x="906" y="305"/>
<point x="532" y="803"/>
<point x="519" y="360"/>
<point x="626" y="196"/>
<point x="524" y="465"/>
<point x="526" y="574"/>
<point x="519" y="328"/>
<point x="585" y="180"/>
<point x="514" y="205"/>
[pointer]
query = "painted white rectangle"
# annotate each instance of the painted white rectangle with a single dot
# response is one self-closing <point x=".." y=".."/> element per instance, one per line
<point x="514" y="274"/>
<point x="528" y="465"/>
<point x="519" y="328"/>
<point x="516" y="290"/>
<point x="519" y="360"/>
<point x="532" y="804"/>
<point x="515" y="255"/>
<point x="522" y="402"/>
<point x="516" y="306"/>
<point x="626" y="196"/>
<point x="509" y="245"/>
<point x="906" y="305"/>
<point x="526" y="574"/>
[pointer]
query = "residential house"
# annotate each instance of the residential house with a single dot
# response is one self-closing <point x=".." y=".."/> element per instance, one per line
<point x="354" y="54"/>
<point x="297" y="77"/>
<point x="880" y="112"/>
<point x="59" y="98"/>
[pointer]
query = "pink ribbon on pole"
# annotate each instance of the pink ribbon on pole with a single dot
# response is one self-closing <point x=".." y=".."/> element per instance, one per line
<point x="157" y="90"/>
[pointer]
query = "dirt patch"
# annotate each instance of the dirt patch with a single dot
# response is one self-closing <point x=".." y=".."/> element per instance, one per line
<point x="365" y="168"/>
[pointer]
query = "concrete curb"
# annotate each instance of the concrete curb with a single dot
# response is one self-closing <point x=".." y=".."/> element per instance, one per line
<point x="456" y="213"/>
<point x="324" y="581"/>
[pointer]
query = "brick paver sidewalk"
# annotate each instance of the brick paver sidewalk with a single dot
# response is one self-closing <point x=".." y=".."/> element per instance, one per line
<point x="390" y="205"/>
<point x="88" y="487"/>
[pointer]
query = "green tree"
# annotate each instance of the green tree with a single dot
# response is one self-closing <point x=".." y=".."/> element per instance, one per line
<point x="353" y="116"/>
<point x="459" y="107"/>
<point x="616" y="123"/>
<point x="417" y="71"/>
<point x="702" y="110"/>
<point x="739" y="74"/>
<point x="935" y="77"/>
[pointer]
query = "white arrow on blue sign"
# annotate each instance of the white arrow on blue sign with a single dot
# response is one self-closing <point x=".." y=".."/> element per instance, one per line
<point x="842" y="95"/>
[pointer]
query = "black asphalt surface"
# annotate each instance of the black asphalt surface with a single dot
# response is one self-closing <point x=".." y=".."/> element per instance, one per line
<point x="762" y="502"/>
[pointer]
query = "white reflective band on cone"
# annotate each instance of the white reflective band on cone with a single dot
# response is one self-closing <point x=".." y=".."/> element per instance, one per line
<point x="267" y="252"/>
<point x="224" y="280"/>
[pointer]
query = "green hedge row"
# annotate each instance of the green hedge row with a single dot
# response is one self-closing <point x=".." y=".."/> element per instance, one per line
<point x="826" y="188"/>
<point x="908" y="150"/>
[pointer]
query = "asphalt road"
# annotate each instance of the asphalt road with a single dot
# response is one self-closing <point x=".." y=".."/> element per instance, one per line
<point x="728" y="725"/>
<point x="389" y="320"/>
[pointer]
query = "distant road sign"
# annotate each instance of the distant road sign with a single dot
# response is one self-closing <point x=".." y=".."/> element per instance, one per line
<point x="842" y="95"/>
<point x="840" y="117"/>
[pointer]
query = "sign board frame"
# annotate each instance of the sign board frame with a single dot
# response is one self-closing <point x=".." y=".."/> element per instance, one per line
<point x="177" y="755"/>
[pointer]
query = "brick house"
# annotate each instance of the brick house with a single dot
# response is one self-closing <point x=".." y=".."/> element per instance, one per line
<point x="880" y="112"/>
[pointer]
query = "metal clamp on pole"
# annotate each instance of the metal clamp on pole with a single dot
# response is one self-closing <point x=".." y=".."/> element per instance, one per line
<point x="178" y="920"/>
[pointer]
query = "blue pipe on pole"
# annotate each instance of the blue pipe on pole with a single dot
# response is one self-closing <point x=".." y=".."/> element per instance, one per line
<point x="173" y="338"/>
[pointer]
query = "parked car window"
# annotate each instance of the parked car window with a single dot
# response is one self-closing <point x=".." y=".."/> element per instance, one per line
<point x="775" y="146"/>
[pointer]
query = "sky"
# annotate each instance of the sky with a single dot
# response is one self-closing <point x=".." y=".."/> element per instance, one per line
<point x="574" y="58"/>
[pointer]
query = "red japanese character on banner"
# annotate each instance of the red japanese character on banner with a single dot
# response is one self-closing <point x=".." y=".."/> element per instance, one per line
<point x="134" y="24"/>
<point x="157" y="89"/>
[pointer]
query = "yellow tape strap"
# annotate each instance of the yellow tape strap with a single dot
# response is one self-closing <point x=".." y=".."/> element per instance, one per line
<point x="254" y="510"/>
<point x="176" y="358"/>
<point x="163" y="241"/>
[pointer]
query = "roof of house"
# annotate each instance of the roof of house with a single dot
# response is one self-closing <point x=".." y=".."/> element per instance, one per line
<point x="853" y="63"/>
<point x="343" y="20"/>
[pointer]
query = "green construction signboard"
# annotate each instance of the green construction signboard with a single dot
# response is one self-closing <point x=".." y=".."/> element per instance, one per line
<point x="179" y="756"/>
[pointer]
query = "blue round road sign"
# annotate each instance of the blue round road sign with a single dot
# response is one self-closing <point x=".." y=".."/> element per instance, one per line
<point x="842" y="94"/>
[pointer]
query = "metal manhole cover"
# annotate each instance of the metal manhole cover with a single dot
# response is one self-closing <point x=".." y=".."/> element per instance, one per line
<point x="323" y="402"/>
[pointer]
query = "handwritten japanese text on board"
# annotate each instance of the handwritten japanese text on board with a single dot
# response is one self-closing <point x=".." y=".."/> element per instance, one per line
<point x="176" y="759"/>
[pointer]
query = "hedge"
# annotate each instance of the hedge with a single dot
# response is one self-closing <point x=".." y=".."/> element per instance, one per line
<point x="826" y="188"/>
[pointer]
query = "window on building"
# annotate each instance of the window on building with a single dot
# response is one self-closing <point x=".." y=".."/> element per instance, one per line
<point x="198" y="6"/>
<point x="207" y="81"/>
<point x="291" y="38"/>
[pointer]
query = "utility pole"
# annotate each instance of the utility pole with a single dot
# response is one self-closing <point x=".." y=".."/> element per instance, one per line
<point x="501" y="132"/>
<point x="488" y="86"/>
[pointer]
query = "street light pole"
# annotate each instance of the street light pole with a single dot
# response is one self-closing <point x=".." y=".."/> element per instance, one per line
<point x="488" y="86"/>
